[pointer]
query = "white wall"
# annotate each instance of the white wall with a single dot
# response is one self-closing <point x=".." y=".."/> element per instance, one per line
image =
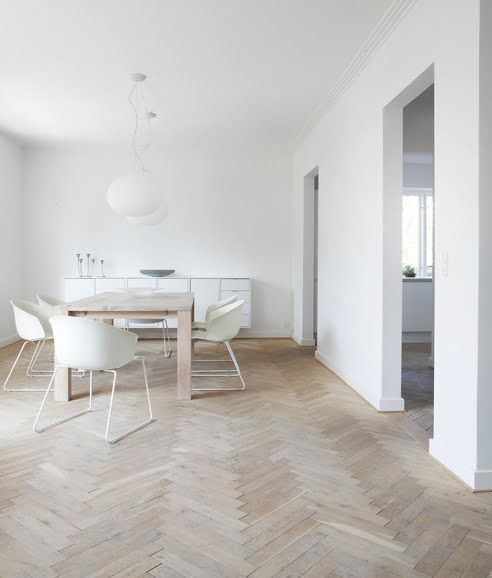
<point x="418" y="141"/>
<point x="229" y="214"/>
<point x="347" y="145"/>
<point x="418" y="125"/>
<point x="10" y="234"/>
<point x="419" y="175"/>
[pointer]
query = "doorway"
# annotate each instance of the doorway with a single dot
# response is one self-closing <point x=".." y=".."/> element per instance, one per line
<point x="315" y="265"/>
<point x="392" y="285"/>
<point x="417" y="372"/>
<point x="310" y="244"/>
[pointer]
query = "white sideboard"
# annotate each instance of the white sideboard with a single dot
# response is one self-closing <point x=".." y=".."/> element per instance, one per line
<point x="207" y="290"/>
<point x="418" y="309"/>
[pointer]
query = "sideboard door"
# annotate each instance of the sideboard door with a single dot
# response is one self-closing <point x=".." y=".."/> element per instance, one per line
<point x="77" y="288"/>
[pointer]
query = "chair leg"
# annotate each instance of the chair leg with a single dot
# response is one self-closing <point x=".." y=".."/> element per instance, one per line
<point x="14" y="366"/>
<point x="32" y="361"/>
<point x="165" y="337"/>
<point x="236" y="364"/>
<point x="31" y="372"/>
<point x="63" y="420"/>
<point x="221" y="373"/>
<point x="12" y="389"/>
<point x="137" y="427"/>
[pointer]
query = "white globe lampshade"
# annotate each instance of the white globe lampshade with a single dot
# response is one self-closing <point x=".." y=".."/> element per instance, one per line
<point x="154" y="218"/>
<point x="134" y="196"/>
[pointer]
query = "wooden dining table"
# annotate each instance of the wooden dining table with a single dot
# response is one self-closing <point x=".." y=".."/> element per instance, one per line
<point x="143" y="304"/>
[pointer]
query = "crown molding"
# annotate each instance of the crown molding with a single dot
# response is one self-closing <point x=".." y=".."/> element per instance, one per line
<point x="390" y="20"/>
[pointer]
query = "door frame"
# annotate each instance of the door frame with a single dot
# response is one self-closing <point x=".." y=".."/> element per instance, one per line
<point x="307" y="325"/>
<point x="391" y="399"/>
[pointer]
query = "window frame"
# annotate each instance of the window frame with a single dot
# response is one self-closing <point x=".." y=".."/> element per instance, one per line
<point x="423" y="193"/>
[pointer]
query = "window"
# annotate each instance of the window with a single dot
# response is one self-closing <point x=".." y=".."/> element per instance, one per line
<point x="418" y="231"/>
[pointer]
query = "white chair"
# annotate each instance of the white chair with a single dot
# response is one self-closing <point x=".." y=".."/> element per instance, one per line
<point x="163" y="322"/>
<point x="93" y="346"/>
<point x="32" y="325"/>
<point x="222" y="325"/>
<point x="50" y="301"/>
<point x="51" y="304"/>
<point x="203" y="324"/>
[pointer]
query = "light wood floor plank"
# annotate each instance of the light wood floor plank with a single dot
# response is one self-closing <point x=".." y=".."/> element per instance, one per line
<point x="296" y="476"/>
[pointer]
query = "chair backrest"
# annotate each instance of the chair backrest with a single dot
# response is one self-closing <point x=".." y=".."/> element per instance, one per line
<point x="50" y="301"/>
<point x="31" y="320"/>
<point x="219" y="304"/>
<point x="88" y="344"/>
<point x="224" y="323"/>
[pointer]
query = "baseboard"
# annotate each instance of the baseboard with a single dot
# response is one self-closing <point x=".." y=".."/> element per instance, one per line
<point x="8" y="340"/>
<point x="476" y="480"/>
<point x="391" y="404"/>
<point x="381" y="404"/>
<point x="483" y="481"/>
<point x="343" y="376"/>
<point x="264" y="333"/>
<point x="465" y="473"/>
<point x="304" y="342"/>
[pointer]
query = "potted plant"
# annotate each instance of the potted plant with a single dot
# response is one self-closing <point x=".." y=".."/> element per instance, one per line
<point x="409" y="271"/>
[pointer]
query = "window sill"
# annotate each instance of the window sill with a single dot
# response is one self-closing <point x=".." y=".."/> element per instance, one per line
<point x="417" y="279"/>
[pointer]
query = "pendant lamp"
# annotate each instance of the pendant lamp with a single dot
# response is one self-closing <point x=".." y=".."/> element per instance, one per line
<point x="154" y="218"/>
<point x="135" y="195"/>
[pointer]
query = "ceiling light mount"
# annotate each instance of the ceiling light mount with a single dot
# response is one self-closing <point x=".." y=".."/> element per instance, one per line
<point x="137" y="77"/>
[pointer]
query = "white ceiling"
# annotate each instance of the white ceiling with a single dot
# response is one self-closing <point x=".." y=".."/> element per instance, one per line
<point x="219" y="70"/>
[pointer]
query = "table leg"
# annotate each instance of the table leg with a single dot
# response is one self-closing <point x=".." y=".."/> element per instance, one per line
<point x="63" y="384"/>
<point x="192" y="319"/>
<point x="63" y="377"/>
<point x="184" y="355"/>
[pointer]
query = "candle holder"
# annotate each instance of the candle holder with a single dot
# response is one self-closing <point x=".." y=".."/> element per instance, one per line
<point x="79" y="264"/>
<point x="87" y="266"/>
<point x="88" y="255"/>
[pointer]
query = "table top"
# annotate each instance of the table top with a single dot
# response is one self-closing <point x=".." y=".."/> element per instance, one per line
<point x="138" y="301"/>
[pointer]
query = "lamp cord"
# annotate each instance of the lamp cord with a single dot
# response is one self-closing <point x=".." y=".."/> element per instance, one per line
<point x="137" y="154"/>
<point x="147" y="117"/>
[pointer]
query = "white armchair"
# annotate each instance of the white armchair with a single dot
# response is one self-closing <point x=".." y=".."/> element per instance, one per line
<point x="92" y="346"/>
<point x="32" y="325"/>
<point x="222" y="325"/>
<point x="52" y="305"/>
<point x="210" y="309"/>
<point x="50" y="301"/>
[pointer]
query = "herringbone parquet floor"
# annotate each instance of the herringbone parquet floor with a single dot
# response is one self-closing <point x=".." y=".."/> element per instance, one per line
<point x="417" y="385"/>
<point x="296" y="476"/>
